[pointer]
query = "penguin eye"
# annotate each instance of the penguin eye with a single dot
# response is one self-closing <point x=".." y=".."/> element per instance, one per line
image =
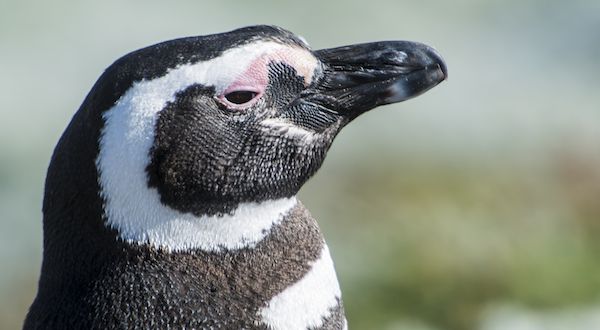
<point x="240" y="97"/>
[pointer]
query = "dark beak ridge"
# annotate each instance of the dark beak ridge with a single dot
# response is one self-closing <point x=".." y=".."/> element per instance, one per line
<point x="364" y="76"/>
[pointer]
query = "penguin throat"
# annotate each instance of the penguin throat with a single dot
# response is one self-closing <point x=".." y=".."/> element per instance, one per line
<point x="167" y="229"/>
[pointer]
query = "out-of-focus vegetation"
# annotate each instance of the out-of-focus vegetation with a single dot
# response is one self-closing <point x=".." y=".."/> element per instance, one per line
<point x="450" y="211"/>
<point x="444" y="242"/>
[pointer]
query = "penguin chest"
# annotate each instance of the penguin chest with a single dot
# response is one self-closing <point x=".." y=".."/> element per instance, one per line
<point x="244" y="291"/>
<point x="286" y="280"/>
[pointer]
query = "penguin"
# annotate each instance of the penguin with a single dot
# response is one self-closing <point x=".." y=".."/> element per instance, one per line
<point x="170" y="198"/>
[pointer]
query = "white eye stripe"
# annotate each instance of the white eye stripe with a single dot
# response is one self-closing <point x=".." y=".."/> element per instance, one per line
<point x="228" y="68"/>
<point x="225" y="69"/>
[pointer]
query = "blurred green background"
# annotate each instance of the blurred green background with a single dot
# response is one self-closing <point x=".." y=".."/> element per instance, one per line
<point x="474" y="206"/>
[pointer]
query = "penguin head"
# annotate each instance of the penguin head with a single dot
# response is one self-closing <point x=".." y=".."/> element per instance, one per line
<point x="201" y="126"/>
<point x="244" y="116"/>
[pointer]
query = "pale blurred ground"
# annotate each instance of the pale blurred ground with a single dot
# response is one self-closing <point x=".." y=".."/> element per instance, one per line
<point x="474" y="206"/>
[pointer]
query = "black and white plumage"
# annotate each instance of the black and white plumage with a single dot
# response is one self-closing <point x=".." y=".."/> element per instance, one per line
<point x="170" y="198"/>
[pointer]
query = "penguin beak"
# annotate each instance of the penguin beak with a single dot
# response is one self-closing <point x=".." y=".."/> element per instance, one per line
<point x="358" y="78"/>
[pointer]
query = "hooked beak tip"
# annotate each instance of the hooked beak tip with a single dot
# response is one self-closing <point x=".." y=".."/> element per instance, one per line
<point x="438" y="61"/>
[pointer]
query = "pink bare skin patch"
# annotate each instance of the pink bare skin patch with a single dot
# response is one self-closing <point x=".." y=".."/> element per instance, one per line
<point x="256" y="76"/>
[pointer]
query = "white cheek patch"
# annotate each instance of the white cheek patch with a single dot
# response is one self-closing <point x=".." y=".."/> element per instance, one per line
<point x="135" y="210"/>
<point x="307" y="302"/>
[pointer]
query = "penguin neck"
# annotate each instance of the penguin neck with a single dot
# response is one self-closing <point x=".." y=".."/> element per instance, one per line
<point x="167" y="229"/>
